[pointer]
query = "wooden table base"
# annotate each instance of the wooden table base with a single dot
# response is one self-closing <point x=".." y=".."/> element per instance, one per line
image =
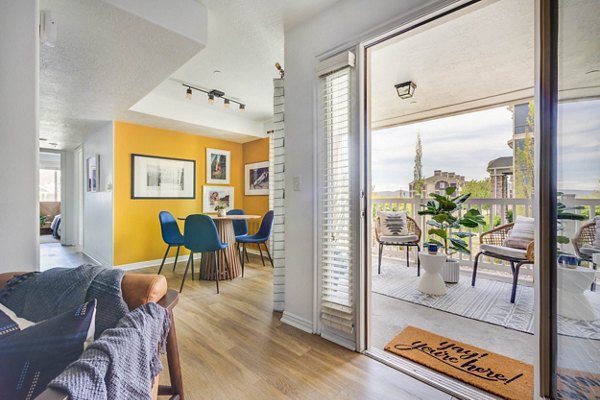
<point x="227" y="271"/>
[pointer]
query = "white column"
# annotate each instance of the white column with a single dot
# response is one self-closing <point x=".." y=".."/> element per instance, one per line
<point x="278" y="195"/>
<point x="19" y="135"/>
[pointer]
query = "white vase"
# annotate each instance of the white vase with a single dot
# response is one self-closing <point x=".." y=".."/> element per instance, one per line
<point x="221" y="213"/>
<point x="451" y="271"/>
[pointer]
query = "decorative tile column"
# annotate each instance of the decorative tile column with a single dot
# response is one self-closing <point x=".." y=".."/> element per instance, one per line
<point x="277" y="194"/>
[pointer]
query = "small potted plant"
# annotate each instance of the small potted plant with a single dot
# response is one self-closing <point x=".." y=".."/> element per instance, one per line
<point x="220" y="209"/>
<point x="446" y="227"/>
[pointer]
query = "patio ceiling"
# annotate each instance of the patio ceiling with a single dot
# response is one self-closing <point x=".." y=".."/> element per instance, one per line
<point x="480" y="57"/>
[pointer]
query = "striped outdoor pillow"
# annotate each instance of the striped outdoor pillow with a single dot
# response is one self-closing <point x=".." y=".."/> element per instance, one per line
<point x="393" y="223"/>
<point x="521" y="234"/>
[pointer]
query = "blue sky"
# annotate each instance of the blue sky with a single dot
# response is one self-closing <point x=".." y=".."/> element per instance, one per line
<point x="466" y="143"/>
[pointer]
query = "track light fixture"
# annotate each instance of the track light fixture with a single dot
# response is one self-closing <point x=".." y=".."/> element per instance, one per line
<point x="212" y="94"/>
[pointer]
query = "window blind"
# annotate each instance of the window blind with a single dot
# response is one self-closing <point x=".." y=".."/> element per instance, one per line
<point x="337" y="310"/>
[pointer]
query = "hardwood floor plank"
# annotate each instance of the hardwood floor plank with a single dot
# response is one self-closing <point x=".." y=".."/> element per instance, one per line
<point x="233" y="346"/>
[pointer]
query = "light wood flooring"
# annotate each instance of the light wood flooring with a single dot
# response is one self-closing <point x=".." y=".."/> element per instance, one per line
<point x="233" y="346"/>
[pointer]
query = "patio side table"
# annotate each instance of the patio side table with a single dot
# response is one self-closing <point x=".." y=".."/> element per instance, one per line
<point x="431" y="281"/>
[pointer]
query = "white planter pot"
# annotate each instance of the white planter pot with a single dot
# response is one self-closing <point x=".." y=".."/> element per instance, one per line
<point x="221" y="213"/>
<point x="451" y="271"/>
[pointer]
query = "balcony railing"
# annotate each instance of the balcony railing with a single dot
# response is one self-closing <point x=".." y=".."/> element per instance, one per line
<point x="496" y="212"/>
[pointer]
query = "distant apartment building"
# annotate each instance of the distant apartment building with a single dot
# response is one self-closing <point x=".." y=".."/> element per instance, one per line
<point x="502" y="169"/>
<point x="439" y="182"/>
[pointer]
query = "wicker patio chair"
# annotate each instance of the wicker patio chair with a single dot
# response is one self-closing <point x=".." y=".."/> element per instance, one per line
<point x="492" y="245"/>
<point x="411" y="240"/>
<point x="585" y="236"/>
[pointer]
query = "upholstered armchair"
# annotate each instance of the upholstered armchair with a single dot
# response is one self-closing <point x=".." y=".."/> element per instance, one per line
<point x="412" y="239"/>
<point x="140" y="289"/>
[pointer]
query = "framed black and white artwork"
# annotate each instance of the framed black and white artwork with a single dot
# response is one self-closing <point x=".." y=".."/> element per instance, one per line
<point x="257" y="179"/>
<point x="154" y="177"/>
<point x="92" y="167"/>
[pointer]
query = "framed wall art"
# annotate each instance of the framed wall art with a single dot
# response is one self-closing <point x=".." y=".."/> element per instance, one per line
<point x="154" y="177"/>
<point x="92" y="168"/>
<point x="257" y="179"/>
<point x="214" y="196"/>
<point x="217" y="166"/>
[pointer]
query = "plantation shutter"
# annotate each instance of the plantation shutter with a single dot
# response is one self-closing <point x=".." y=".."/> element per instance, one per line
<point x="336" y="237"/>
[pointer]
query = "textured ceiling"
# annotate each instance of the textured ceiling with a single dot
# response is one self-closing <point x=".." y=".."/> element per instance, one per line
<point x="104" y="61"/>
<point x="479" y="57"/>
<point x="108" y="64"/>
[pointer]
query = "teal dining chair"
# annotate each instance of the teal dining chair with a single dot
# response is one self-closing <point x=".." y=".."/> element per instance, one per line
<point x="201" y="236"/>
<point x="170" y="235"/>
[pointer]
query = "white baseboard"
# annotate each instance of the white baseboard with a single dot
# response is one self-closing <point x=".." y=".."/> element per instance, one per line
<point x="94" y="259"/>
<point x="155" y="263"/>
<point x="297" y="322"/>
<point x="337" y="339"/>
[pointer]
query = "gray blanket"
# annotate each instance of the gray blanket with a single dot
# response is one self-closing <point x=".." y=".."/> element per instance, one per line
<point x="125" y="358"/>
<point x="122" y="362"/>
<point x="39" y="296"/>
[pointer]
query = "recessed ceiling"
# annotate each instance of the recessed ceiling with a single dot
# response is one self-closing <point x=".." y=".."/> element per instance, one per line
<point x="109" y="64"/>
<point x="103" y="62"/>
<point x="479" y="57"/>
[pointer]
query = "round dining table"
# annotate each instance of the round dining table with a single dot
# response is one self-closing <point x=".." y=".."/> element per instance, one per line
<point x="230" y="265"/>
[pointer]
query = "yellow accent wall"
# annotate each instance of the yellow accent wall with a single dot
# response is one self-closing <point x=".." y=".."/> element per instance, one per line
<point x="256" y="151"/>
<point x="137" y="235"/>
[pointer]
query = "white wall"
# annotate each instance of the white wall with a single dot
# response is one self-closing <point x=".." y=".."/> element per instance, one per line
<point x="19" y="135"/>
<point x="98" y="206"/>
<point x="346" y="22"/>
<point x="68" y="204"/>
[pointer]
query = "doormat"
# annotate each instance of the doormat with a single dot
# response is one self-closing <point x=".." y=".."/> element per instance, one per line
<point x="503" y="376"/>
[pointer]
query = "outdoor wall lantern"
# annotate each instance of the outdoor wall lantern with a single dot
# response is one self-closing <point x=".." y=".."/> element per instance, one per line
<point x="406" y="89"/>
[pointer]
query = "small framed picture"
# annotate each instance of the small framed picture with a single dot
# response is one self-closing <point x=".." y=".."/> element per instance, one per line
<point x="92" y="166"/>
<point x="155" y="177"/>
<point x="214" y="196"/>
<point x="257" y="179"/>
<point x="217" y="166"/>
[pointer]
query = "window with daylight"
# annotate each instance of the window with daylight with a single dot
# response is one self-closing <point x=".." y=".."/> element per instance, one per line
<point x="337" y="311"/>
<point x="49" y="185"/>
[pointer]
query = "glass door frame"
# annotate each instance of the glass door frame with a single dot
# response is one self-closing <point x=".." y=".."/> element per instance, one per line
<point x="544" y="202"/>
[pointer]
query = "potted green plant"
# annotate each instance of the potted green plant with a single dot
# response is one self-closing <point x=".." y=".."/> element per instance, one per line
<point x="446" y="227"/>
<point x="220" y="209"/>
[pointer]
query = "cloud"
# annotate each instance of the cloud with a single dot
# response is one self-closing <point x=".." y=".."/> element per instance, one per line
<point x="466" y="143"/>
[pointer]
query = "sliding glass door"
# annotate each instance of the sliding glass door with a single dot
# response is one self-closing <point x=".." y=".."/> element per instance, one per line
<point x="578" y="200"/>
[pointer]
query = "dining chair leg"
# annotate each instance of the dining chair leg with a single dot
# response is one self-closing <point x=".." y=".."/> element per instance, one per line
<point x="261" y="255"/>
<point x="176" y="257"/>
<point x="246" y="254"/>
<point x="269" y="254"/>
<point x="247" y="257"/>
<point x="217" y="270"/>
<point x="192" y="255"/>
<point x="240" y="253"/>
<point x="187" y="266"/>
<point x="164" y="258"/>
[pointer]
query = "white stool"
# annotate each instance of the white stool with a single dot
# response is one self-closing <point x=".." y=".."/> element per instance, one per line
<point x="572" y="283"/>
<point x="431" y="281"/>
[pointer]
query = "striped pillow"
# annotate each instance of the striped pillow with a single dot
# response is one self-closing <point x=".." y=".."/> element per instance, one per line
<point x="393" y="223"/>
<point x="32" y="357"/>
<point x="521" y="234"/>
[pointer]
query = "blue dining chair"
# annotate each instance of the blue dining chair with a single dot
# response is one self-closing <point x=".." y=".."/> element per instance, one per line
<point x="261" y="237"/>
<point x="201" y="236"/>
<point x="170" y="235"/>
<point x="240" y="228"/>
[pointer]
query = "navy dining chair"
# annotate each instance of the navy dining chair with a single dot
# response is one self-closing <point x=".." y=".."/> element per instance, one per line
<point x="170" y="235"/>
<point x="261" y="237"/>
<point x="240" y="227"/>
<point x="201" y="236"/>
